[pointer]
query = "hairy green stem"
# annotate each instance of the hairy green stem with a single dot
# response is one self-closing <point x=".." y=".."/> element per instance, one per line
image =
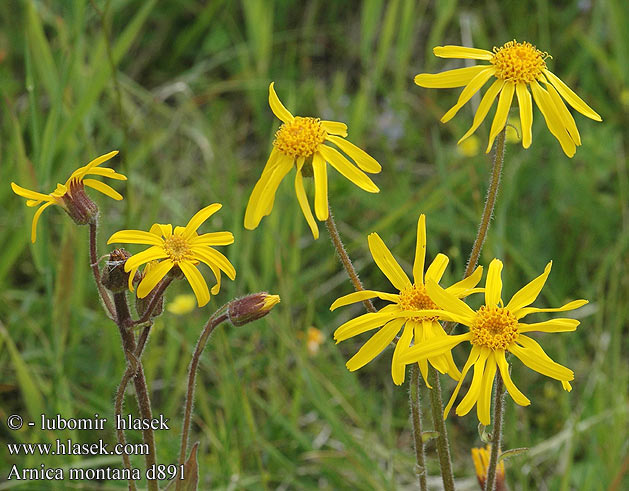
<point x="443" y="445"/>
<point x="104" y="295"/>
<point x="157" y="296"/>
<point x="415" y="403"/>
<point x="496" y="437"/>
<point x="344" y="257"/>
<point x="217" y="318"/>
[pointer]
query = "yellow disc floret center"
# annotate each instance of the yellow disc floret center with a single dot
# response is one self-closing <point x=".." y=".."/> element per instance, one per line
<point x="415" y="298"/>
<point x="300" y="137"/>
<point x="177" y="248"/>
<point x="519" y="62"/>
<point x="494" y="327"/>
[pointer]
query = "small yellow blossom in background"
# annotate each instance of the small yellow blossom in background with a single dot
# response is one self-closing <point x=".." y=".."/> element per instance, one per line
<point x="73" y="189"/>
<point x="481" y="456"/>
<point x="516" y="68"/>
<point x="314" y="339"/>
<point x="181" y="304"/>
<point x="470" y="147"/>
<point x="406" y="310"/>
<point x="300" y="142"/>
<point x="514" y="130"/>
<point x="182" y="248"/>
<point x="494" y="330"/>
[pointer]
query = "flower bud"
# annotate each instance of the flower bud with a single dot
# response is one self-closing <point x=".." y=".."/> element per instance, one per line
<point x="78" y="204"/>
<point x="250" y="308"/>
<point x="113" y="276"/>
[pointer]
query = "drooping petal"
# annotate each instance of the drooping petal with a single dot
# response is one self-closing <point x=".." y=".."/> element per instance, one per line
<point x="462" y="288"/>
<point x="553" y="121"/>
<point x="136" y="237"/>
<point x="217" y="274"/>
<point x="254" y="212"/>
<point x="473" y="393"/>
<point x="213" y="239"/>
<point x="483" y="404"/>
<point x="483" y="108"/>
<point x="448" y="302"/>
<point x="553" y="325"/>
<point x="526" y="113"/>
<point x="471" y="360"/>
<point x="398" y="369"/>
<point x="277" y="107"/>
<point x="528" y="293"/>
<point x="106" y="172"/>
<point x="448" y="79"/>
<point x="347" y="169"/>
<point x="386" y="262"/>
<point x="362" y="295"/>
<point x="452" y="51"/>
<point x="470" y="89"/>
<point x="197" y="282"/>
<point x="27" y="193"/>
<point x="502" y="111"/>
<point x="493" y="283"/>
<point x="575" y="304"/>
<point x="303" y="200"/>
<point x="268" y="187"/>
<point x="36" y="219"/>
<point x="564" y="115"/>
<point x="376" y="344"/>
<point x="361" y="324"/>
<point x="514" y="392"/>
<point x="437" y="267"/>
<point x="153" y="277"/>
<point x="199" y="217"/>
<point x="152" y="253"/>
<point x="335" y="128"/>
<point x="573" y="99"/>
<point x="534" y="357"/>
<point x="211" y="256"/>
<point x="320" y="171"/>
<point x="103" y="188"/>
<point x="420" y="251"/>
<point x="365" y="161"/>
<point x="432" y="348"/>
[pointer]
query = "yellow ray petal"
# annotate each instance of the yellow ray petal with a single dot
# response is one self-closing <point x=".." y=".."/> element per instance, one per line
<point x="451" y="51"/>
<point x="376" y="344"/>
<point x="152" y="253"/>
<point x="493" y="283"/>
<point x="470" y="89"/>
<point x="320" y="171"/>
<point x="529" y="293"/>
<point x="448" y="302"/>
<point x="502" y="111"/>
<point x="387" y="263"/>
<point x="347" y="169"/>
<point x="534" y="357"/>
<point x="213" y="239"/>
<point x="36" y="219"/>
<point x="197" y="282"/>
<point x="136" y="237"/>
<point x="553" y="121"/>
<point x="564" y="114"/>
<point x="483" y="403"/>
<point x="514" y="392"/>
<point x="420" y="251"/>
<point x="365" y="161"/>
<point x="573" y="99"/>
<point x="106" y="172"/>
<point x="267" y="192"/>
<point x="448" y="79"/>
<point x="27" y="193"/>
<point x="432" y="348"/>
<point x="361" y="324"/>
<point x="199" y="217"/>
<point x="462" y="288"/>
<point x="303" y="200"/>
<point x="99" y="160"/>
<point x="277" y="107"/>
<point x="575" y="304"/>
<point x="362" y="295"/>
<point x="335" y="128"/>
<point x="153" y="277"/>
<point x="103" y="188"/>
<point x="437" y="267"/>
<point x="471" y="360"/>
<point x="526" y="113"/>
<point x="398" y="369"/>
<point x="473" y="393"/>
<point x="253" y="214"/>
<point x="217" y="274"/>
<point x="484" y="107"/>
<point x="553" y="325"/>
<point x="211" y="256"/>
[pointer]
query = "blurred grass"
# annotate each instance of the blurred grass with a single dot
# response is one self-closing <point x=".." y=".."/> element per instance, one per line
<point x="196" y="129"/>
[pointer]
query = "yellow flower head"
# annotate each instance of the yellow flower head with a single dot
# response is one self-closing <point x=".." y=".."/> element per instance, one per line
<point x="408" y="310"/>
<point x="515" y="68"/>
<point x="301" y="142"/>
<point x="181" y="304"/>
<point x="481" y="456"/>
<point x="182" y="248"/>
<point x="71" y="196"/>
<point x="496" y="328"/>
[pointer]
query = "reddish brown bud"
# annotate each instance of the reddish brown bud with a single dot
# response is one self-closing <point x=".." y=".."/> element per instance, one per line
<point x="250" y="308"/>
<point x="78" y="204"/>
<point x="113" y="276"/>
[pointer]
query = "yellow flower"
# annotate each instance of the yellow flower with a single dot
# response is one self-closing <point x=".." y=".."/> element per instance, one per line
<point x="181" y="304"/>
<point x="516" y="67"/>
<point x="494" y="330"/>
<point x="71" y="196"/>
<point x="300" y="141"/>
<point x="314" y="339"/>
<point x="481" y="456"/>
<point x="405" y="311"/>
<point x="183" y="249"/>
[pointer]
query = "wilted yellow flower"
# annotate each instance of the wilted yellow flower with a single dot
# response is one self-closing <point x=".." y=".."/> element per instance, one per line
<point x="481" y="457"/>
<point x="494" y="330"/>
<point x="516" y="67"/>
<point x="300" y="141"/>
<point x="182" y="248"/>
<point x="406" y="310"/>
<point x="181" y="304"/>
<point x="71" y="195"/>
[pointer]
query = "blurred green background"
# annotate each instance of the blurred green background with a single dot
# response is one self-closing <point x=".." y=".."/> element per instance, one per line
<point x="180" y="88"/>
